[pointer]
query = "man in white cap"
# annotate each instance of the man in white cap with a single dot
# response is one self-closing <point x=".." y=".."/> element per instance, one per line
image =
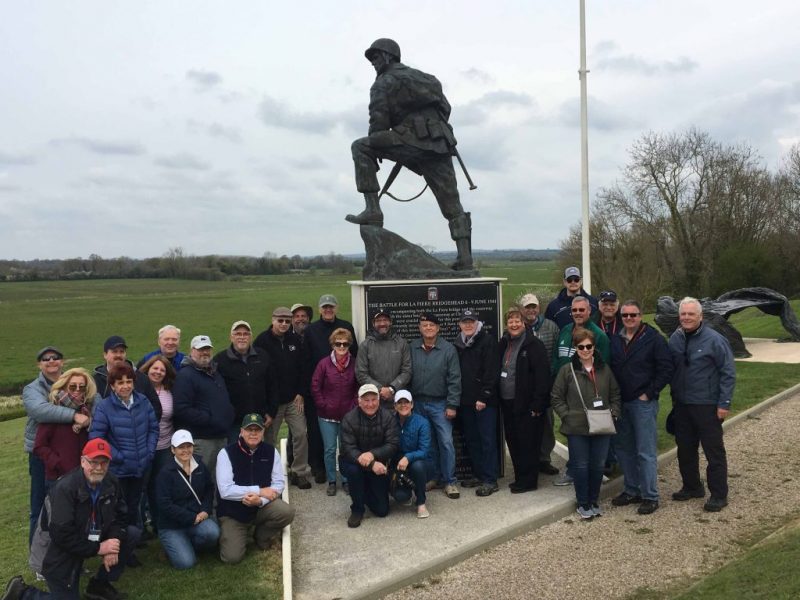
<point x="201" y="403"/>
<point x="301" y="317"/>
<point x="368" y="439"/>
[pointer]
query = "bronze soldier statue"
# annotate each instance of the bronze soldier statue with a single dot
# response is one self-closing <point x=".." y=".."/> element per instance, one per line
<point x="408" y="115"/>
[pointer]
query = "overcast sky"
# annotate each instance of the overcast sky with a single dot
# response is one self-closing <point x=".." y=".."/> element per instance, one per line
<point x="128" y="128"/>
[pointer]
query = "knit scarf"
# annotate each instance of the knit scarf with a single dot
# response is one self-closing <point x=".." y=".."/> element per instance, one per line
<point x="341" y="362"/>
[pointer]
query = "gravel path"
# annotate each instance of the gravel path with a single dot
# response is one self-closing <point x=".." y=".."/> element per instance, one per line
<point x="622" y="552"/>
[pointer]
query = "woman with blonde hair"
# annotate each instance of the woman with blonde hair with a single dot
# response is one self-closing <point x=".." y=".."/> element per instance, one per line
<point x="59" y="445"/>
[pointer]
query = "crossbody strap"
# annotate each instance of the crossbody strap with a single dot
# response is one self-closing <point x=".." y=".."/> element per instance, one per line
<point x="188" y="483"/>
<point x="577" y="385"/>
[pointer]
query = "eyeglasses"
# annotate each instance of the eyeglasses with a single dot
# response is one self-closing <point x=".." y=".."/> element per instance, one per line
<point x="629" y="315"/>
<point x="585" y="346"/>
<point x="578" y="310"/>
<point x="342" y="344"/>
<point x="572" y="279"/>
<point x="284" y="321"/>
<point x="50" y="358"/>
<point x="97" y="464"/>
<point x="76" y="387"/>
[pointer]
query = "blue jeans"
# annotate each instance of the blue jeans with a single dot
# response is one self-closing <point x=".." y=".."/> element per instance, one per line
<point x="480" y="431"/>
<point x="418" y="472"/>
<point x="587" y="455"/>
<point x="180" y="544"/>
<point x="38" y="491"/>
<point x="366" y="489"/>
<point x="330" y="437"/>
<point x="443" y="453"/>
<point x="636" y="445"/>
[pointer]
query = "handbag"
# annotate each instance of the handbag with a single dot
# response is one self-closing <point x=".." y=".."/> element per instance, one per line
<point x="601" y="422"/>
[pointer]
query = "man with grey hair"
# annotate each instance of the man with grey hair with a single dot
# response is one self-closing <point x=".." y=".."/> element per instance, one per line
<point x="169" y="339"/>
<point x="702" y="389"/>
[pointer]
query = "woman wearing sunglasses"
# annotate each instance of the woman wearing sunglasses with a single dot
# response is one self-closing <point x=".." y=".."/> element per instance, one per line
<point x="586" y="383"/>
<point x="59" y="445"/>
<point x="335" y="391"/>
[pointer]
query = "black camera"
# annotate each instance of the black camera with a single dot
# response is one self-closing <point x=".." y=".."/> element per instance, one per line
<point x="405" y="481"/>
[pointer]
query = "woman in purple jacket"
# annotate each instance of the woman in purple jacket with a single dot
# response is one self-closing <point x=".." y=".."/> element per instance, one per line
<point x="335" y="391"/>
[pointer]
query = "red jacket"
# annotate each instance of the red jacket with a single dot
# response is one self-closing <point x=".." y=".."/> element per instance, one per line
<point x="59" y="448"/>
<point x="335" y="392"/>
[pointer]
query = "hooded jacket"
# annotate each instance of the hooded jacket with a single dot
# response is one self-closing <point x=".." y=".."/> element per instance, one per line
<point x="384" y="360"/>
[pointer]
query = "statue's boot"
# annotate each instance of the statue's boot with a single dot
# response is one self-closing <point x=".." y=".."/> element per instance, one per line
<point x="371" y="215"/>
<point x="461" y="233"/>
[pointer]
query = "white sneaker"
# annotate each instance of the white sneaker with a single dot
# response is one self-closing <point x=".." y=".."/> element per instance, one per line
<point x="422" y="512"/>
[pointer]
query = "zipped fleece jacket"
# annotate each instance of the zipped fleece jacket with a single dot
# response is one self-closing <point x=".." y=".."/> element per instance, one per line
<point x="710" y="375"/>
<point x="201" y="403"/>
<point x="643" y="366"/>
<point x="435" y="375"/>
<point x="566" y="400"/>
<point x="384" y="360"/>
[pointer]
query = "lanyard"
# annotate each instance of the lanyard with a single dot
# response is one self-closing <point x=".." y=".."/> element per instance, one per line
<point x="507" y="357"/>
<point x="593" y="379"/>
<point x="94" y="493"/>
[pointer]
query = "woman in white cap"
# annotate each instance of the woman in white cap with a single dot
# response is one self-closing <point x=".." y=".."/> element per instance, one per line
<point x="184" y="494"/>
<point x="411" y="465"/>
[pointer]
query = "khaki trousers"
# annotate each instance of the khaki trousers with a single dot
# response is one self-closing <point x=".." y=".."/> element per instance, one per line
<point x="270" y="520"/>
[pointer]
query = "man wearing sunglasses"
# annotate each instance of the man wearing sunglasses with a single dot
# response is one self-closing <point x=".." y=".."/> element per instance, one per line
<point x="702" y="389"/>
<point x="288" y="356"/>
<point x="580" y="311"/>
<point x="385" y="359"/>
<point x="642" y="364"/>
<point x="559" y="308"/>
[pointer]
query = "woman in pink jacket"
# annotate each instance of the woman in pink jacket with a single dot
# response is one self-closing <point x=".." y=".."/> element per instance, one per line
<point x="335" y="392"/>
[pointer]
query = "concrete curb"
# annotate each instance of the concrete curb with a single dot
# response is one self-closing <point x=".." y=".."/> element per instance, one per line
<point x="564" y="509"/>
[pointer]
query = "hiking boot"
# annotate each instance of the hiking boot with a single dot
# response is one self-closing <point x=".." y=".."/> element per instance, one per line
<point x="471" y="482"/>
<point x="331" y="489"/>
<point x="487" y="489"/>
<point x="451" y="491"/>
<point x="624" y="499"/>
<point x="302" y="483"/>
<point x="547" y="468"/>
<point x="647" y="507"/>
<point x="596" y="510"/>
<point x="586" y="513"/>
<point x="354" y="520"/>
<point x="15" y="588"/>
<point x="686" y="494"/>
<point x="100" y="590"/>
<point x="565" y="479"/>
<point x="715" y="504"/>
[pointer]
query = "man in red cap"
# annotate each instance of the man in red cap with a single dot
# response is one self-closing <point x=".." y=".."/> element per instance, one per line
<point x="86" y="516"/>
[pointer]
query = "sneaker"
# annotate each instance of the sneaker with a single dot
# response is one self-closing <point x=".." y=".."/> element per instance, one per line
<point x="715" y="504"/>
<point x="302" y="483"/>
<point x="471" y="482"/>
<point x="647" y="507"/>
<point x="100" y="590"/>
<point x="15" y="588"/>
<point x="451" y="491"/>
<point x="487" y="489"/>
<point x="547" y="468"/>
<point x="565" y="479"/>
<point x="586" y="514"/>
<point x="596" y="510"/>
<point x="422" y="512"/>
<point x="354" y="520"/>
<point x="624" y="499"/>
<point x="331" y="489"/>
<point x="687" y="494"/>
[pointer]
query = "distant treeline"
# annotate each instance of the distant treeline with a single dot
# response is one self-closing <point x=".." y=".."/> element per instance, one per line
<point x="173" y="264"/>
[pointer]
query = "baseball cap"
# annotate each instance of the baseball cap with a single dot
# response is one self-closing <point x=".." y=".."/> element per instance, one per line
<point x="115" y="341"/>
<point x="201" y="341"/>
<point x="403" y="395"/>
<point x="609" y="295"/>
<point x="47" y="349"/>
<point x="326" y="299"/>
<point x="528" y="299"/>
<point x="468" y="315"/>
<point x="367" y="388"/>
<point x="181" y="437"/>
<point x="572" y="272"/>
<point x="238" y="324"/>
<point x="282" y="311"/>
<point x="381" y="311"/>
<point x="298" y="306"/>
<point x="253" y="419"/>
<point x="97" y="447"/>
<point x="429" y="316"/>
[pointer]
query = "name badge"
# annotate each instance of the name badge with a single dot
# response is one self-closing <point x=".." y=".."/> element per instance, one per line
<point x="503" y="374"/>
<point x="94" y="535"/>
<point x="598" y="402"/>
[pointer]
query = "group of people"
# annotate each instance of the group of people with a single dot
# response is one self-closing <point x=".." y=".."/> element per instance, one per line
<point x="186" y="443"/>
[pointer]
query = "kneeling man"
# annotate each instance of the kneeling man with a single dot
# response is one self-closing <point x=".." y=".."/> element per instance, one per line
<point x="250" y="481"/>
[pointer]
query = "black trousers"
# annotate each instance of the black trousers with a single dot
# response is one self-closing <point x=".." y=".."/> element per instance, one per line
<point x="697" y="424"/>
<point x="524" y="439"/>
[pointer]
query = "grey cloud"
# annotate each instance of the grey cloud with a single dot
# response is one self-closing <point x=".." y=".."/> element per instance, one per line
<point x="602" y="116"/>
<point x="479" y="110"/>
<point x="203" y="80"/>
<point x="181" y="161"/>
<point x="308" y="162"/>
<point x="276" y="114"/>
<point x="605" y="47"/>
<point x="215" y="130"/>
<point x="631" y="63"/>
<point x="477" y="75"/>
<point x="8" y="187"/>
<point x="7" y="159"/>
<point x="114" y="147"/>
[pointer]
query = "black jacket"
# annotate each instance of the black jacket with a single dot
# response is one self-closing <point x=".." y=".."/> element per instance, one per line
<point x="316" y="338"/>
<point x="141" y="383"/>
<point x="532" y="380"/>
<point x="378" y="434"/>
<point x="252" y="381"/>
<point x="290" y="363"/>
<point x="177" y="506"/>
<point x="70" y="514"/>
<point x="200" y="403"/>
<point x="480" y="368"/>
<point x="643" y="366"/>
